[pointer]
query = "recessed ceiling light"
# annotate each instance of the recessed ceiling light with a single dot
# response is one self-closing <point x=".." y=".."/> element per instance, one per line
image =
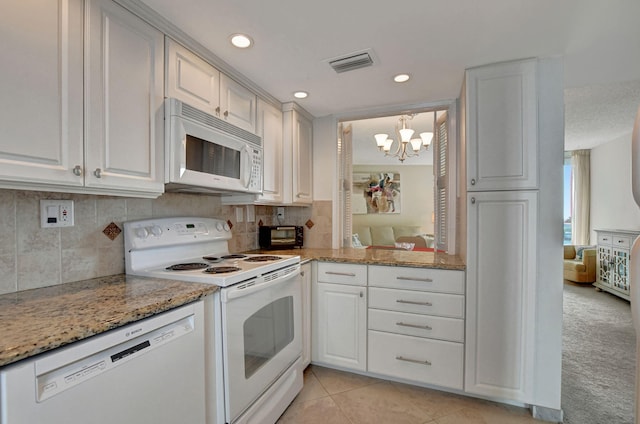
<point x="401" y="78"/>
<point x="300" y="94"/>
<point x="241" y="41"/>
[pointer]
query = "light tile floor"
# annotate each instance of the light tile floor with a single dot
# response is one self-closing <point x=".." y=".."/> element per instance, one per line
<point x="336" y="397"/>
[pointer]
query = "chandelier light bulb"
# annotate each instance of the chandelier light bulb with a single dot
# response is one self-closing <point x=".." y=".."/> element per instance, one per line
<point x="405" y="134"/>
<point x="381" y="139"/>
<point x="426" y="138"/>
<point x="416" y="144"/>
<point x="387" y="145"/>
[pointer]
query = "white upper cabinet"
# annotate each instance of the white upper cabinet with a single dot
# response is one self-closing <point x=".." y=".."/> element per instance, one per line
<point x="81" y="111"/>
<point x="298" y="136"/>
<point x="124" y="77"/>
<point x="502" y="136"/>
<point x="191" y="79"/>
<point x="41" y="86"/>
<point x="270" y="129"/>
<point x="199" y="84"/>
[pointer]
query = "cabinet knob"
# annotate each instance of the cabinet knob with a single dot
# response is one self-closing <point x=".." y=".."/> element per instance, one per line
<point x="473" y="200"/>
<point x="77" y="170"/>
<point x="218" y="111"/>
<point x="473" y="181"/>
<point x="302" y="273"/>
<point x="98" y="173"/>
<point x="226" y="113"/>
<point x="361" y="294"/>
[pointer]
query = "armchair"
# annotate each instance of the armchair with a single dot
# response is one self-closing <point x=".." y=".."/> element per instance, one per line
<point x="579" y="263"/>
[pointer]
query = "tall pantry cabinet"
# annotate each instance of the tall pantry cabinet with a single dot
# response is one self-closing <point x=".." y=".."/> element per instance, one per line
<point x="509" y="142"/>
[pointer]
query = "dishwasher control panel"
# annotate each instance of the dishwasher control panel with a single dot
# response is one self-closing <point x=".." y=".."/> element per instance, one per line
<point x="76" y="372"/>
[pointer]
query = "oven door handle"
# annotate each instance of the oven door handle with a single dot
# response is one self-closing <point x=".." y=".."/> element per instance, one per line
<point x="245" y="289"/>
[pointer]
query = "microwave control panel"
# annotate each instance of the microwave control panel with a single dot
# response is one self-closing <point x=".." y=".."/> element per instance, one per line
<point x="255" y="180"/>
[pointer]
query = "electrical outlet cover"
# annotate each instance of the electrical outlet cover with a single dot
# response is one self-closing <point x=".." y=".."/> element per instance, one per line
<point x="56" y="213"/>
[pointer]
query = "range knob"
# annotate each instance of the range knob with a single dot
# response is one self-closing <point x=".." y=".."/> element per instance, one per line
<point x="156" y="230"/>
<point x="219" y="226"/>
<point x="142" y="233"/>
<point x="226" y="227"/>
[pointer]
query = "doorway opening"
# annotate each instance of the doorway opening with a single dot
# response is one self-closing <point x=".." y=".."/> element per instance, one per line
<point x="385" y="200"/>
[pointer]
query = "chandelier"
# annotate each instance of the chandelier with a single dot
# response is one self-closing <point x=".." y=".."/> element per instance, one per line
<point x="407" y="146"/>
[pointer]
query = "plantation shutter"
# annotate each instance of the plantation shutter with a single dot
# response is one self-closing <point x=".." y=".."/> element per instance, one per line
<point x="346" y="183"/>
<point x="442" y="178"/>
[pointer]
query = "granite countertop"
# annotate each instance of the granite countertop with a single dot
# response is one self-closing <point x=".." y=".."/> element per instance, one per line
<point x="38" y="320"/>
<point x="389" y="257"/>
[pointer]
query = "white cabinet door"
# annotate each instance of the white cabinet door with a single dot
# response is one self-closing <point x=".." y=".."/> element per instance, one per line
<point x="298" y="145"/>
<point x="41" y="86"/>
<point x="501" y="283"/>
<point x="340" y="326"/>
<point x="237" y="104"/>
<point x="191" y="79"/>
<point x="502" y="119"/>
<point x="269" y="125"/>
<point x="302" y="159"/>
<point x="124" y="135"/>
<point x="199" y="84"/>
<point x="305" y="271"/>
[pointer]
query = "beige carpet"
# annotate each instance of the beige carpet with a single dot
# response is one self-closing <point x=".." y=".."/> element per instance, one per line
<point x="598" y="359"/>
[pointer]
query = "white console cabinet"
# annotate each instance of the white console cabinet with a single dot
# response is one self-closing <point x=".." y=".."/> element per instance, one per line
<point x="613" y="260"/>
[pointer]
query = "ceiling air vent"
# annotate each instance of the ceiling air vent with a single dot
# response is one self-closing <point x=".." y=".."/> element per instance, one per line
<point x="352" y="61"/>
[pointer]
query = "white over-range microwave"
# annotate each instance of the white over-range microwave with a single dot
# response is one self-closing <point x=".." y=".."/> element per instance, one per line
<point x="207" y="154"/>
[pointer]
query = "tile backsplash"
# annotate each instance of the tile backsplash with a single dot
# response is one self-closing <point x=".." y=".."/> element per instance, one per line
<point x="32" y="257"/>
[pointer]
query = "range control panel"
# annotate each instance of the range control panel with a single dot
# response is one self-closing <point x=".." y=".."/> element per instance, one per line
<point x="148" y="233"/>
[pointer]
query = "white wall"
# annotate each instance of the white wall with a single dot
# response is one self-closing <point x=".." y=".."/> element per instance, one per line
<point x="548" y="358"/>
<point x="325" y="162"/>
<point x="612" y="205"/>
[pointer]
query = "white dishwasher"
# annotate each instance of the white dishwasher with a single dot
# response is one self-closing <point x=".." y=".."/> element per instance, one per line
<point x="151" y="371"/>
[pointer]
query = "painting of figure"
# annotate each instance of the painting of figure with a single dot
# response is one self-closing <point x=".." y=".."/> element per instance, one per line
<point x="380" y="190"/>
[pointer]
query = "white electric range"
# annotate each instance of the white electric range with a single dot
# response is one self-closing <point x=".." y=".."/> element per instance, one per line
<point x="256" y="322"/>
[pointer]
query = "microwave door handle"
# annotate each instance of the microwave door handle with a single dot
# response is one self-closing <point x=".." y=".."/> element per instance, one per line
<point x="246" y="181"/>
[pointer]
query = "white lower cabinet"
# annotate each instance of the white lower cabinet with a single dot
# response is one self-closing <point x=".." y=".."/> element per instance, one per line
<point x="408" y="324"/>
<point x="340" y="316"/>
<point x="416" y="359"/>
<point x="416" y="325"/>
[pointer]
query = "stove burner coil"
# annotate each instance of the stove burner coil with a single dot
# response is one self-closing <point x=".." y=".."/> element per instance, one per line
<point x="221" y="269"/>
<point x="263" y="258"/>
<point x="212" y="258"/>
<point x="187" y="267"/>
<point x="234" y="256"/>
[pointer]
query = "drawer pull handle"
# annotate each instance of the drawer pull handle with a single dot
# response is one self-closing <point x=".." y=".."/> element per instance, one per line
<point x="411" y="302"/>
<point x="414" y="361"/>
<point x="424" y="280"/>
<point x="346" y="274"/>
<point x="422" y="327"/>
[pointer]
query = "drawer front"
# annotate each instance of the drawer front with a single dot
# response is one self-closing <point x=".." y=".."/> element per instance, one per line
<point x="451" y="329"/>
<point x="439" y="280"/>
<point x="624" y="242"/>
<point x="412" y="358"/>
<point x="353" y="274"/>
<point x="605" y="239"/>
<point x="446" y="305"/>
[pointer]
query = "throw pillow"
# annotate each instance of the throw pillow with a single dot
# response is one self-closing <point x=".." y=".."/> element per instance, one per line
<point x="580" y="250"/>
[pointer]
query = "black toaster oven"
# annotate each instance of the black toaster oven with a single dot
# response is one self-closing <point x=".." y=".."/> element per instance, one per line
<point x="280" y="236"/>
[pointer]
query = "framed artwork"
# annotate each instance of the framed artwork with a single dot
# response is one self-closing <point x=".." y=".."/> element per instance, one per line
<point x="376" y="192"/>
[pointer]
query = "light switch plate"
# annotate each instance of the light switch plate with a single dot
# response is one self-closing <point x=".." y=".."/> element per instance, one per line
<point x="56" y="213"/>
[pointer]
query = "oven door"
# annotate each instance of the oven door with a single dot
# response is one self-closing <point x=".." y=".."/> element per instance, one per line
<point x="260" y="336"/>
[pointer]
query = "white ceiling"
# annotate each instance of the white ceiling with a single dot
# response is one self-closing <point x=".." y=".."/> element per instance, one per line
<point x="434" y="41"/>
